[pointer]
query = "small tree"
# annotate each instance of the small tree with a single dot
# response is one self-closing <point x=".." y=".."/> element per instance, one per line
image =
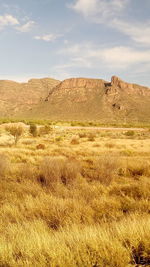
<point x="16" y="131"/>
<point x="33" y="130"/>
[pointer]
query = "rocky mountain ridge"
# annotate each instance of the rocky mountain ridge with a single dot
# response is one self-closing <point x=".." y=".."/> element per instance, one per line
<point x="76" y="99"/>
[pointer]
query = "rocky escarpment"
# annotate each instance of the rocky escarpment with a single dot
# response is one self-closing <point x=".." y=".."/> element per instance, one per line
<point x="76" y="99"/>
<point x="81" y="89"/>
<point x="76" y="90"/>
<point x="118" y="92"/>
<point x="129" y="88"/>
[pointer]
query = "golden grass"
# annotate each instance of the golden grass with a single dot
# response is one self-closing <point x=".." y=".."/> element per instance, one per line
<point x="86" y="204"/>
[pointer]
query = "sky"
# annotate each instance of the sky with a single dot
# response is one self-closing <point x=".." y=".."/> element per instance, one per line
<point x="75" y="38"/>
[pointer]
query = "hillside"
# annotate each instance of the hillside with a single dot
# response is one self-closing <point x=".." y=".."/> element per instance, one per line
<point x="95" y="99"/>
<point x="16" y="98"/>
<point x="76" y="99"/>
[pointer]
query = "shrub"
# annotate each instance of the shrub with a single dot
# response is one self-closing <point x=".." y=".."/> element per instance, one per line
<point x="109" y="145"/>
<point x="129" y="133"/>
<point x="70" y="172"/>
<point x="28" y="142"/>
<point x="4" y="165"/>
<point x="96" y="145"/>
<point x="108" y="166"/>
<point x="33" y="130"/>
<point x="73" y="124"/>
<point x="6" y="140"/>
<point x="16" y="131"/>
<point x="91" y="137"/>
<point x="137" y="168"/>
<point x="27" y="171"/>
<point x="45" y="130"/>
<point x="126" y="152"/>
<point x="104" y="169"/>
<point x="51" y="170"/>
<point x="55" y="170"/>
<point x="131" y="190"/>
<point x="40" y="146"/>
<point x="58" y="138"/>
<point x="74" y="140"/>
<point x="82" y="135"/>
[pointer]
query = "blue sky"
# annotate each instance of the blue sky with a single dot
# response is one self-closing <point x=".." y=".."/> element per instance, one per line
<point x="75" y="38"/>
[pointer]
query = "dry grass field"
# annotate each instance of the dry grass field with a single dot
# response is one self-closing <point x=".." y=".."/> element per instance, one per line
<point x="74" y="198"/>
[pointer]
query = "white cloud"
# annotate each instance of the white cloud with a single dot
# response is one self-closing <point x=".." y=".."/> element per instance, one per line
<point x="26" y="27"/>
<point x="48" y="37"/>
<point x="104" y="11"/>
<point x="139" y="32"/>
<point x="85" y="7"/>
<point x="8" y="20"/>
<point x="124" y="56"/>
<point x="77" y="49"/>
<point x="99" y="10"/>
<point x="116" y="57"/>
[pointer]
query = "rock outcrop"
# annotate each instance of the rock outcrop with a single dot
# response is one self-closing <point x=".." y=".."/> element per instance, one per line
<point x="76" y="89"/>
<point x="129" y="88"/>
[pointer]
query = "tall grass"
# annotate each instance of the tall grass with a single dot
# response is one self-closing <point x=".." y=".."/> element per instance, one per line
<point x="54" y="170"/>
<point x="4" y="165"/>
<point x="126" y="243"/>
<point x="74" y="205"/>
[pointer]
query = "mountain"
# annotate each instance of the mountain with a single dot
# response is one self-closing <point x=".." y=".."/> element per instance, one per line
<point x="16" y="98"/>
<point x="96" y="99"/>
<point x="76" y="99"/>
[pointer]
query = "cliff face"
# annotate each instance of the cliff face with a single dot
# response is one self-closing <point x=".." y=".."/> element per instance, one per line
<point x="83" y="89"/>
<point x="77" y="90"/>
<point x="125" y="96"/>
<point x="129" y="88"/>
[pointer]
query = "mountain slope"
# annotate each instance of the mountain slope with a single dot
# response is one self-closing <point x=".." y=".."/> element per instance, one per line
<point x="16" y="98"/>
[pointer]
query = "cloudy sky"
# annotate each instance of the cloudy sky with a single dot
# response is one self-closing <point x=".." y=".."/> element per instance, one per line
<point x="75" y="38"/>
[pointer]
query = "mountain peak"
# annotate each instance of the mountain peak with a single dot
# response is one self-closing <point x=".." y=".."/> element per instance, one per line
<point x="115" y="80"/>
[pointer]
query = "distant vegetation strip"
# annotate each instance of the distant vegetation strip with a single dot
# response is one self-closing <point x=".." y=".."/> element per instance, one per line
<point x="75" y="123"/>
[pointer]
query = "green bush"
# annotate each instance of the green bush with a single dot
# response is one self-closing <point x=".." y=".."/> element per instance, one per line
<point x="59" y="138"/>
<point x="129" y="133"/>
<point x="33" y="130"/>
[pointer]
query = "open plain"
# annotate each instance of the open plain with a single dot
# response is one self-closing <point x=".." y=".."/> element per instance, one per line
<point x="74" y="197"/>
